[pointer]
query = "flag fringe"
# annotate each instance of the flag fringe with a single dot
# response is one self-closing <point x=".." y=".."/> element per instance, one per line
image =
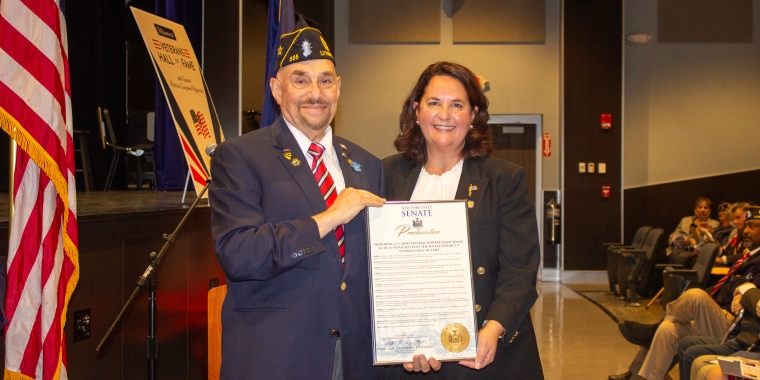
<point x="48" y="165"/>
<point x="11" y="375"/>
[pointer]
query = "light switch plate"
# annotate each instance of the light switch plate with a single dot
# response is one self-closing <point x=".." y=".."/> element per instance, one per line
<point x="581" y="167"/>
<point x="591" y="167"/>
<point x="602" y="168"/>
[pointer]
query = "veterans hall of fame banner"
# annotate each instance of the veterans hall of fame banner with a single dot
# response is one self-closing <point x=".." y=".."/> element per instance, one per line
<point x="421" y="282"/>
<point x="185" y="90"/>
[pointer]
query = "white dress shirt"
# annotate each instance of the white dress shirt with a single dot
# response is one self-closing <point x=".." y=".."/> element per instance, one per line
<point x="329" y="157"/>
<point x="432" y="187"/>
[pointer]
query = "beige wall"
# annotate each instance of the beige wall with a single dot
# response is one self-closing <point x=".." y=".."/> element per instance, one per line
<point x="524" y="79"/>
<point x="690" y="108"/>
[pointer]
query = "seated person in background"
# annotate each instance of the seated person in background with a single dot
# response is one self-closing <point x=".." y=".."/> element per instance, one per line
<point x="732" y="250"/>
<point x="725" y="217"/>
<point x="696" y="312"/>
<point x="681" y="250"/>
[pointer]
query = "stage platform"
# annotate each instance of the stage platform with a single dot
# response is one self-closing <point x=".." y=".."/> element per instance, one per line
<point x="98" y="204"/>
<point x="117" y="232"/>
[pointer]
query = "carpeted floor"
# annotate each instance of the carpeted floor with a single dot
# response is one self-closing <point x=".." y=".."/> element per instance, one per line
<point x="617" y="310"/>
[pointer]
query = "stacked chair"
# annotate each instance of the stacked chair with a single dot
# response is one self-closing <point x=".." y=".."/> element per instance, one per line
<point x="635" y="266"/>
<point x="612" y="256"/>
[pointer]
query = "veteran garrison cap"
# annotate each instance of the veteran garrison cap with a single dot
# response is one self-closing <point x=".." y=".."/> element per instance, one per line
<point x="753" y="212"/>
<point x="302" y="45"/>
<point x="723" y="206"/>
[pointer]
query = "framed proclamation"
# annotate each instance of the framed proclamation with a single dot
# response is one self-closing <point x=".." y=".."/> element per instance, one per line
<point x="421" y="282"/>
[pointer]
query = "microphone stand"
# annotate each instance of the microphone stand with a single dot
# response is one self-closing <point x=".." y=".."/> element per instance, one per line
<point x="152" y="346"/>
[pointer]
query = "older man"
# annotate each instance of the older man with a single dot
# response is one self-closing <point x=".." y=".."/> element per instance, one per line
<point x="693" y="347"/>
<point x="731" y="250"/>
<point x="289" y="231"/>
<point x="697" y="312"/>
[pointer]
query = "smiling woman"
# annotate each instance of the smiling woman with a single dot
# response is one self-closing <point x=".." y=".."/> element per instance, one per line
<point x="444" y="154"/>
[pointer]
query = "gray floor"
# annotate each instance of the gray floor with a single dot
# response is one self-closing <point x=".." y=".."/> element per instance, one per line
<point x="576" y="339"/>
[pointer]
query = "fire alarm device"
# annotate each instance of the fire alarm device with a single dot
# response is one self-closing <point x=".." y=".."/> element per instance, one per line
<point x="606" y="192"/>
<point x="581" y="167"/>
<point x="591" y="167"/>
<point x="606" y="121"/>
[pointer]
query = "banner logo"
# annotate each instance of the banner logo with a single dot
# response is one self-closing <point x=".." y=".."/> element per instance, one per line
<point x="165" y="32"/>
<point x="200" y="124"/>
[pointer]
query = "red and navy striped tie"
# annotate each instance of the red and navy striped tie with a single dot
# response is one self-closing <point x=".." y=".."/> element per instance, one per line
<point x="731" y="271"/>
<point x="327" y="187"/>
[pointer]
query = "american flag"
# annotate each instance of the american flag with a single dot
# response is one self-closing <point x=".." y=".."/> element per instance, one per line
<point x="43" y="258"/>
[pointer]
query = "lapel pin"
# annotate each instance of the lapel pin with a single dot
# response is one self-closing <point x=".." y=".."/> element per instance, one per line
<point x="344" y="154"/>
<point x="343" y="146"/>
<point x="286" y="153"/>
<point x="472" y="188"/>
<point x="470" y="204"/>
<point x="355" y="165"/>
<point x="296" y="162"/>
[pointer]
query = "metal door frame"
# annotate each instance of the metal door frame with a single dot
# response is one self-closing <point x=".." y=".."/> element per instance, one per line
<point x="538" y="121"/>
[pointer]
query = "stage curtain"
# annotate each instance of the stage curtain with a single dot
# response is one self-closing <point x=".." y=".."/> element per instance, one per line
<point x="171" y="168"/>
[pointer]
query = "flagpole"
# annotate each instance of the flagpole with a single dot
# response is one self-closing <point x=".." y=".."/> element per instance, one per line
<point x="11" y="174"/>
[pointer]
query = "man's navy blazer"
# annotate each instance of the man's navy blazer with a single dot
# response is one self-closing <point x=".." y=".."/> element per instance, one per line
<point x="285" y="306"/>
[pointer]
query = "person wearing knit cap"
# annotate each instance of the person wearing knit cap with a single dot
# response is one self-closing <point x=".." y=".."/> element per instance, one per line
<point x="287" y="216"/>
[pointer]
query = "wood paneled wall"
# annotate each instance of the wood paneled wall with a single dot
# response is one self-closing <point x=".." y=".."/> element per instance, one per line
<point x="113" y="253"/>
<point x="664" y="205"/>
<point x="593" y="86"/>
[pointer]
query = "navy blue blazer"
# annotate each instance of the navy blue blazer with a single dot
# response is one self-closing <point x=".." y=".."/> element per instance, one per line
<point x="286" y="303"/>
<point x="505" y="259"/>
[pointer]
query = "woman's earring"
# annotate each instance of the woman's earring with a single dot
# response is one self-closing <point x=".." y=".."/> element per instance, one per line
<point x="470" y="126"/>
<point x="417" y="122"/>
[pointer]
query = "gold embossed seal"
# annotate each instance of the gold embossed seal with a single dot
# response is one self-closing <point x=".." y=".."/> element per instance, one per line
<point x="455" y="337"/>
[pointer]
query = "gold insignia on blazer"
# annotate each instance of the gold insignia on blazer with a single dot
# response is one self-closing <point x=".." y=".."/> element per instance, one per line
<point x="344" y="154"/>
<point x="470" y="204"/>
<point x="471" y="189"/>
<point x="350" y="161"/>
<point x="296" y="162"/>
<point x="288" y="155"/>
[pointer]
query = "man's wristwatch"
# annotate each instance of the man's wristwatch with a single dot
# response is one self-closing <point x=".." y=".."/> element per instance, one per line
<point x="503" y="333"/>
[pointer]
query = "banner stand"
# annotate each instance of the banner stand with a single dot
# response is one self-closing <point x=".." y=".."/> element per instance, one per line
<point x="184" y="192"/>
<point x="186" y="92"/>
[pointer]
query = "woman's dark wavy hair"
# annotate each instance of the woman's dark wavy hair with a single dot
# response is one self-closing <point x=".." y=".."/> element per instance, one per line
<point x="478" y="142"/>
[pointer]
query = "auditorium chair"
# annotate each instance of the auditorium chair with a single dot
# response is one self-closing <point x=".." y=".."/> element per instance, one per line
<point x="612" y="261"/>
<point x="635" y="265"/>
<point x="215" y="300"/>
<point x="676" y="281"/>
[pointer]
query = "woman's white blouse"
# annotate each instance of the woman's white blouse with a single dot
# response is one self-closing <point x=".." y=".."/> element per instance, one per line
<point x="432" y="187"/>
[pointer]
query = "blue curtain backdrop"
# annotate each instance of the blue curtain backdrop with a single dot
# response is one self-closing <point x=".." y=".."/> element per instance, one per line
<point x="171" y="168"/>
<point x="281" y="20"/>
